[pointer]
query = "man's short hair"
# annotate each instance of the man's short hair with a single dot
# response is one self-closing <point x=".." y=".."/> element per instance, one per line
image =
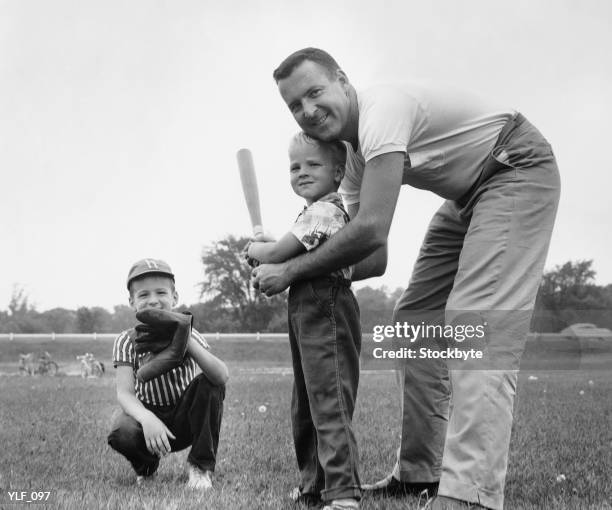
<point x="336" y="148"/>
<point x="315" y="55"/>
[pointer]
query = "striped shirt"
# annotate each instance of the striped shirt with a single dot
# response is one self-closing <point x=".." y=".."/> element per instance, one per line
<point x="165" y="389"/>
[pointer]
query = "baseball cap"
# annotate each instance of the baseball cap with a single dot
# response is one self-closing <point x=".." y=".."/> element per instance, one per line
<point x="149" y="266"/>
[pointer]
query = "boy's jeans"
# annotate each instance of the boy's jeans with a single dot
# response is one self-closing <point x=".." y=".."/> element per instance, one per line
<point x="325" y="338"/>
<point x="195" y="420"/>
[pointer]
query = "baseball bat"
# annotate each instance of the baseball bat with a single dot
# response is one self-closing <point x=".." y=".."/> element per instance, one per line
<point x="249" y="188"/>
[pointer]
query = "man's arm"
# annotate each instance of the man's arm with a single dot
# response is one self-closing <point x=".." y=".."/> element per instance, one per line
<point x="374" y="264"/>
<point x="274" y="252"/>
<point x="156" y="434"/>
<point x="366" y="233"/>
<point x="214" y="369"/>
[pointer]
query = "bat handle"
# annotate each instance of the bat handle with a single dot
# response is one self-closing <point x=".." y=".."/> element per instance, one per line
<point x="258" y="232"/>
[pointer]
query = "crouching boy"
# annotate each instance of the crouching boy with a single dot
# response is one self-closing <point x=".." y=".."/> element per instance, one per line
<point x="169" y="411"/>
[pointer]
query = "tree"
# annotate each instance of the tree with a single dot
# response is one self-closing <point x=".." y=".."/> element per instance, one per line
<point x="376" y="306"/>
<point x="209" y="317"/>
<point x="123" y="317"/>
<point x="22" y="317"/>
<point x="227" y="287"/>
<point x="4" y="322"/>
<point x="568" y="295"/>
<point x="565" y="285"/>
<point x="58" y="320"/>
<point x="373" y="307"/>
<point x="93" y="320"/>
<point x="19" y="305"/>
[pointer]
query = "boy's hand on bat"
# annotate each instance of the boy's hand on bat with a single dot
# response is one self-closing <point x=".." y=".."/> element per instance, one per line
<point x="245" y="255"/>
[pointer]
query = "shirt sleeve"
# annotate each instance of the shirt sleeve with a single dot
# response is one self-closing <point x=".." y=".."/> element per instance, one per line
<point x="123" y="350"/>
<point x="387" y="117"/>
<point x="350" y="186"/>
<point x="317" y="223"/>
<point x="197" y="336"/>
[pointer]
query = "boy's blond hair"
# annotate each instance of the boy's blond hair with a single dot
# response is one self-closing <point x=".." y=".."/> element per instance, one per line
<point x="336" y="148"/>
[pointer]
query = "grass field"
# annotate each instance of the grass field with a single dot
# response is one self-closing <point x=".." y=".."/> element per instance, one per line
<point x="54" y="439"/>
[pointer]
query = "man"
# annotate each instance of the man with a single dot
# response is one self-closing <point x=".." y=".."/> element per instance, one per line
<point x="484" y="252"/>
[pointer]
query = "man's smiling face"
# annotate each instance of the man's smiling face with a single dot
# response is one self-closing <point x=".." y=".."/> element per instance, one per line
<point x="319" y="102"/>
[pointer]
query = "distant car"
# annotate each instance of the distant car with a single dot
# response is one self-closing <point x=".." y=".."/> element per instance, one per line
<point x="587" y="330"/>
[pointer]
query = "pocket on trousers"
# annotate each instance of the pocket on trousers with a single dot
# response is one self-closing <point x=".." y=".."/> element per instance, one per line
<point x="523" y="153"/>
<point x="314" y="318"/>
<point x="322" y="294"/>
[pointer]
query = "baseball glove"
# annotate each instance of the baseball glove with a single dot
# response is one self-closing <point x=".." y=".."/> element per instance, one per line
<point x="163" y="335"/>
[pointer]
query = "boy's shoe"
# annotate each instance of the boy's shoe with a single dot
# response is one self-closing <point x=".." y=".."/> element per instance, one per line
<point x="198" y="479"/>
<point x="143" y="479"/>
<point x="309" y="499"/>
<point x="392" y="487"/>
<point x="343" y="504"/>
<point x="148" y="473"/>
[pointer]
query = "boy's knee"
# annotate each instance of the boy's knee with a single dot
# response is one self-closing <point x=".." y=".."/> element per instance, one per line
<point x="125" y="432"/>
<point x="209" y="390"/>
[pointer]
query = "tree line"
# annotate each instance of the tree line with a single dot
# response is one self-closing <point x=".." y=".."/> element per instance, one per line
<point x="229" y="304"/>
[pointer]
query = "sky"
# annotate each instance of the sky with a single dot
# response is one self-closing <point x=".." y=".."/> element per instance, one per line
<point x="120" y="122"/>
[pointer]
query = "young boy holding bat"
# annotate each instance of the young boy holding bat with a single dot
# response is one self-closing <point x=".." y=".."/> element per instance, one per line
<point x="169" y="386"/>
<point x="324" y="333"/>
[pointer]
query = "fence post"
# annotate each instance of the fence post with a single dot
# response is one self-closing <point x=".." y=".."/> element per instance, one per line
<point x="53" y="335"/>
<point x="258" y="336"/>
<point x="217" y="336"/>
<point x="11" y="336"/>
<point x="95" y="336"/>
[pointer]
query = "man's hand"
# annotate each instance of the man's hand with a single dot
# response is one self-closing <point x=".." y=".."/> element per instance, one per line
<point x="157" y="435"/>
<point x="271" y="279"/>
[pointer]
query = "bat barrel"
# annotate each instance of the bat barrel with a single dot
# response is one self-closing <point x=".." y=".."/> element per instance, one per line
<point x="250" y="189"/>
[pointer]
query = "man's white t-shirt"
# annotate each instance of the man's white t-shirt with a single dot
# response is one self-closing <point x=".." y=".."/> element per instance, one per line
<point x="445" y="133"/>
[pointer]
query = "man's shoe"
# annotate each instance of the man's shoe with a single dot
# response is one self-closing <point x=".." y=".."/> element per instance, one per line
<point x="391" y="487"/>
<point x="308" y="498"/>
<point x="198" y="479"/>
<point x="446" y="503"/>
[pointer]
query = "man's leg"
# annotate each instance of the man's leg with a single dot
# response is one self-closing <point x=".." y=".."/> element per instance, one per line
<point x="499" y="272"/>
<point x="304" y="432"/>
<point x="197" y="422"/>
<point x="126" y="437"/>
<point x="424" y="383"/>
